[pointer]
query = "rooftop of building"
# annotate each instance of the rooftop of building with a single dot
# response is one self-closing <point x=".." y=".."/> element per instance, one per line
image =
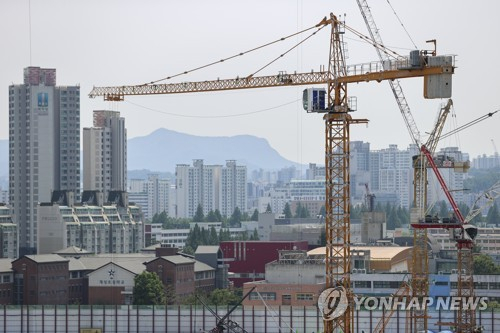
<point x="72" y="250"/>
<point x="202" y="267"/>
<point x="5" y="265"/>
<point x="46" y="258"/>
<point x="207" y="249"/>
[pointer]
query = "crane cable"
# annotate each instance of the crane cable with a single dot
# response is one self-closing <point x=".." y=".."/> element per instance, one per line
<point x="239" y="54"/>
<point x="381" y="47"/>
<point x="289" y="50"/>
<point x="467" y="125"/>
<point x="400" y="22"/>
<point x="213" y="116"/>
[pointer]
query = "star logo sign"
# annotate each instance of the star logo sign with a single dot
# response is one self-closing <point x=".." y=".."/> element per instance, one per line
<point x="111" y="274"/>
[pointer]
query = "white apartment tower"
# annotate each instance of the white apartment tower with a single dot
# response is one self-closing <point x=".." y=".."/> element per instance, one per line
<point x="44" y="147"/>
<point x="234" y="188"/>
<point x="105" y="153"/>
<point x="392" y="172"/>
<point x="158" y="195"/>
<point x="212" y="186"/>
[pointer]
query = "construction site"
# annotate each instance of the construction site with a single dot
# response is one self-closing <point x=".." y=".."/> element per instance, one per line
<point x="338" y="305"/>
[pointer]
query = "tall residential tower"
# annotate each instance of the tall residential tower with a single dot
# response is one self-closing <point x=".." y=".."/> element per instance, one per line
<point x="105" y="153"/>
<point x="44" y="147"/>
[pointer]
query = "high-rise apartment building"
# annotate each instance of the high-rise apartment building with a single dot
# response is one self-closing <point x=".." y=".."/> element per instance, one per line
<point x="211" y="186"/>
<point x="44" y="147"/>
<point x="453" y="164"/>
<point x="392" y="172"/>
<point x="234" y="188"/>
<point x="360" y="170"/>
<point x="158" y="195"/>
<point x="105" y="153"/>
<point x="153" y="195"/>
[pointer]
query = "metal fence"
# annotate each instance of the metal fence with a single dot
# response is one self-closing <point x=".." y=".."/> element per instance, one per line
<point x="155" y="319"/>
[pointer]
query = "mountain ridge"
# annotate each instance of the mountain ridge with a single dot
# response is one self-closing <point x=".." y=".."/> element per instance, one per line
<point x="182" y="148"/>
<point x="163" y="149"/>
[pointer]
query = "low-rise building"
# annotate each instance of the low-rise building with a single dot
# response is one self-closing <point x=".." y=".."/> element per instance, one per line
<point x="176" y="272"/>
<point x="41" y="279"/>
<point x="247" y="259"/>
<point x="115" y="227"/>
<point x="8" y="234"/>
<point x="6" y="282"/>
<point x="488" y="239"/>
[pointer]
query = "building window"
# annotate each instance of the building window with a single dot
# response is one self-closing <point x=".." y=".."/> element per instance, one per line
<point x="304" y="297"/>
<point x="265" y="296"/>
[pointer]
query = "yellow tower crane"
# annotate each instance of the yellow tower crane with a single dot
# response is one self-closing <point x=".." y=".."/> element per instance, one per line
<point x="337" y="123"/>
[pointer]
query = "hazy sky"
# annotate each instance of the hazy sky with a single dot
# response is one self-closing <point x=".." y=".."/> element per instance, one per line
<point x="120" y="42"/>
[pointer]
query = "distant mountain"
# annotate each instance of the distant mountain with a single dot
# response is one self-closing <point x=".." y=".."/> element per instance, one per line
<point x="163" y="149"/>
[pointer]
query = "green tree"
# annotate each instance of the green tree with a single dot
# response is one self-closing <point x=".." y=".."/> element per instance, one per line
<point x="255" y="235"/>
<point x="255" y="215"/>
<point x="464" y="209"/>
<point x="194" y="237"/>
<point x="322" y="238"/>
<point x="148" y="289"/>
<point x="268" y="208"/>
<point x="484" y="264"/>
<point x="218" y="215"/>
<point x="211" y="217"/>
<point x="443" y="209"/>
<point x="223" y="297"/>
<point x="188" y="250"/>
<point x="224" y="235"/>
<point x="301" y="211"/>
<point x="199" y="217"/>
<point x="214" y="239"/>
<point x="322" y="211"/>
<point x="235" y="218"/>
<point x="356" y="211"/>
<point x="493" y="217"/>
<point x="393" y="220"/>
<point x="287" y="211"/>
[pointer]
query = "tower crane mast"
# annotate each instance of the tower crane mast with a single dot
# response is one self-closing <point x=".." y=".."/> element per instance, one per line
<point x="337" y="137"/>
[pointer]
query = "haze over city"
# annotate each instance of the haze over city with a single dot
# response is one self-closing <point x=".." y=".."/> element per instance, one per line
<point x="127" y="42"/>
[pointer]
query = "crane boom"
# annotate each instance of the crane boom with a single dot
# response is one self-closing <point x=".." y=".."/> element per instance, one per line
<point x="374" y="71"/>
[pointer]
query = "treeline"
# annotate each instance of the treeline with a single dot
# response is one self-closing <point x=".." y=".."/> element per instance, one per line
<point x="203" y="236"/>
<point x="212" y="216"/>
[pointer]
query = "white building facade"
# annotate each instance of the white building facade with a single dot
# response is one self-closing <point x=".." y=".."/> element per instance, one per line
<point x="211" y="186"/>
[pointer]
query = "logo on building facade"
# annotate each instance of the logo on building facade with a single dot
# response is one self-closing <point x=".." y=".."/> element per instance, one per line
<point x="43" y="100"/>
<point x="332" y="302"/>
